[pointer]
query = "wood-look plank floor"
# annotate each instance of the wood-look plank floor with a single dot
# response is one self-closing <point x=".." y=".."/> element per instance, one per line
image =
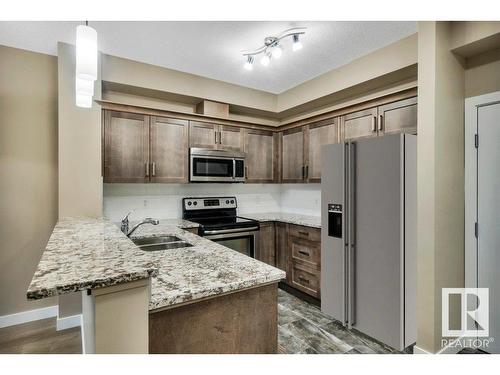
<point x="39" y="337"/>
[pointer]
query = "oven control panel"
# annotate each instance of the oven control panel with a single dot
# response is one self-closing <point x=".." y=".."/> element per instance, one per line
<point x="207" y="203"/>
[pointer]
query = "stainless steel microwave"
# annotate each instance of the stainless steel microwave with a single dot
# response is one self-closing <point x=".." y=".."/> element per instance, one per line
<point x="207" y="165"/>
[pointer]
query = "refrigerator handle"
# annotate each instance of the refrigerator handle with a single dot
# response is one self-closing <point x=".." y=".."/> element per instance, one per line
<point x="351" y="260"/>
<point x="345" y="235"/>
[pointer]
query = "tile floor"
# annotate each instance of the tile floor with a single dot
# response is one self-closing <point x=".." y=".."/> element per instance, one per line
<point x="304" y="329"/>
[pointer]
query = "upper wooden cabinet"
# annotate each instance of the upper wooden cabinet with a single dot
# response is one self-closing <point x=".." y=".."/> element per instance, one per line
<point x="140" y="148"/>
<point x="302" y="150"/>
<point x="396" y="117"/>
<point x="169" y="150"/>
<point x="316" y="135"/>
<point x="293" y="168"/>
<point x="126" y="147"/>
<point x="203" y="134"/>
<point x="261" y="148"/>
<point x="362" y="124"/>
<point x="217" y="137"/>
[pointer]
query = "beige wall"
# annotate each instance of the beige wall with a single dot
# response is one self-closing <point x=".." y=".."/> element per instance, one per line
<point x="381" y="62"/>
<point x="440" y="222"/>
<point x="28" y="170"/>
<point x="80" y="180"/>
<point x="483" y="74"/>
<point x="389" y="66"/>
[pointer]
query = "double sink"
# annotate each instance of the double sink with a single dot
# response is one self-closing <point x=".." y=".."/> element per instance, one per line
<point x="157" y="243"/>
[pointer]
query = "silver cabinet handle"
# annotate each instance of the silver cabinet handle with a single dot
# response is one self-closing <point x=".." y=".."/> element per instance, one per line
<point x="246" y="171"/>
<point x="147" y="169"/>
<point x="215" y="134"/>
<point x="374" y="123"/>
<point x="153" y="166"/>
<point x="307" y="171"/>
<point x="220" y="138"/>
<point x="380" y="122"/>
<point x="303" y="172"/>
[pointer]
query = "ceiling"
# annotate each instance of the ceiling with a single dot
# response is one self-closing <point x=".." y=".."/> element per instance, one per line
<point x="213" y="49"/>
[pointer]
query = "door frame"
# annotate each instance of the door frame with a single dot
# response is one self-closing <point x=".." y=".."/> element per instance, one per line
<point x="471" y="117"/>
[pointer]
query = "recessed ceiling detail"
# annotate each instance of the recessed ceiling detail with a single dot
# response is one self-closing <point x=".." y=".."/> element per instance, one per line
<point x="211" y="49"/>
<point x="272" y="47"/>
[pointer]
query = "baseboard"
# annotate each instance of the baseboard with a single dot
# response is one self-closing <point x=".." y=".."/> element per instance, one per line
<point x="69" y="322"/>
<point x="448" y="349"/>
<point x="28" y="316"/>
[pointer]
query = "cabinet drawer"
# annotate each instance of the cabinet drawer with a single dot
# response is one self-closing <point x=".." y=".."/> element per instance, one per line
<point x="306" y="251"/>
<point x="306" y="279"/>
<point x="311" y="234"/>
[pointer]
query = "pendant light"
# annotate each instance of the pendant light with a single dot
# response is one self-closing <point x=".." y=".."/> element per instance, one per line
<point x="86" y="65"/>
<point x="86" y="52"/>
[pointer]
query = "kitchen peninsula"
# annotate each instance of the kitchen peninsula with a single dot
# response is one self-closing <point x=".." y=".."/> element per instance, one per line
<point x="197" y="299"/>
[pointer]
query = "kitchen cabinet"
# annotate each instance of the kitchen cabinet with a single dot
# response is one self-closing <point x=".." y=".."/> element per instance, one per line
<point x="293" y="169"/>
<point x="361" y="124"/>
<point x="302" y="150"/>
<point x="304" y="257"/>
<point x="395" y="117"/>
<point x="261" y="151"/>
<point x="230" y="138"/>
<point x="126" y="147"/>
<point x="215" y="137"/>
<point x="169" y="144"/>
<point x="281" y="231"/>
<point x="203" y="135"/>
<point x="267" y="250"/>
<point x="140" y="148"/>
<point x="316" y="135"/>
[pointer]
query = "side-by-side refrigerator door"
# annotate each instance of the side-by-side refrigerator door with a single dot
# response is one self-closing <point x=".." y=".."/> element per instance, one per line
<point x="333" y="229"/>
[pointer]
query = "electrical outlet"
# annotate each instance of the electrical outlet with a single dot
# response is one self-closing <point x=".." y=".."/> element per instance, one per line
<point x="145" y="203"/>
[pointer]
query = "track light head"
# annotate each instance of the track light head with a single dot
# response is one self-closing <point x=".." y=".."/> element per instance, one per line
<point x="297" y="45"/>
<point x="249" y="63"/>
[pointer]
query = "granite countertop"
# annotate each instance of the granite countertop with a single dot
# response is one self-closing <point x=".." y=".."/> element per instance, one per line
<point x="298" y="219"/>
<point x="91" y="253"/>
<point x="85" y="253"/>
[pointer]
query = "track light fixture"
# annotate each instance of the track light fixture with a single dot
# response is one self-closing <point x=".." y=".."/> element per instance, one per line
<point x="249" y="64"/>
<point x="273" y="48"/>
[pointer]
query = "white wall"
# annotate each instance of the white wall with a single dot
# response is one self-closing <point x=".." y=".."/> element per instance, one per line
<point x="163" y="201"/>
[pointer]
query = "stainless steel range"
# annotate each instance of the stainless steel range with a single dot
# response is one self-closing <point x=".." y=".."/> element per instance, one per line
<point x="219" y="222"/>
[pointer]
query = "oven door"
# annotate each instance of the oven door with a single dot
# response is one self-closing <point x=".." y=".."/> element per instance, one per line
<point x="204" y="168"/>
<point x="242" y="240"/>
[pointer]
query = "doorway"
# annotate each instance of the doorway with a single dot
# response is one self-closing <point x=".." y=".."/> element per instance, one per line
<point x="482" y="204"/>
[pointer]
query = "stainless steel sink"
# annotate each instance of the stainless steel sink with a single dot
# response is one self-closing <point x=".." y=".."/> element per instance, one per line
<point x="165" y="246"/>
<point x="141" y="241"/>
<point x="158" y="243"/>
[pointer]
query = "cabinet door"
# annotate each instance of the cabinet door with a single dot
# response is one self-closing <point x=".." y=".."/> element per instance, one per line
<point x="169" y="150"/>
<point x="267" y="249"/>
<point x="126" y="147"/>
<point x="398" y="117"/>
<point x="230" y="138"/>
<point x="317" y="135"/>
<point x="360" y="124"/>
<point x="202" y="134"/>
<point x="293" y="156"/>
<point x="282" y="249"/>
<point x="260" y="147"/>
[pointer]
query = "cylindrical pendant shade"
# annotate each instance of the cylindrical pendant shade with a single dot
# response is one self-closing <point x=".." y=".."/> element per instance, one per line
<point x="86" y="53"/>
<point x="84" y="86"/>
<point x="83" y="100"/>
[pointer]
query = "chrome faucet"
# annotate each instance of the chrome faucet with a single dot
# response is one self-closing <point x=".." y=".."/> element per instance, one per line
<point x="125" y="224"/>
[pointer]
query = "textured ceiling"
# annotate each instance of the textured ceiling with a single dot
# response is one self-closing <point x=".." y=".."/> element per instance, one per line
<point x="212" y="49"/>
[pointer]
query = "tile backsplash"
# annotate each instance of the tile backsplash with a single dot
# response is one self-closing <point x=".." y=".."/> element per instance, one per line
<point x="163" y="201"/>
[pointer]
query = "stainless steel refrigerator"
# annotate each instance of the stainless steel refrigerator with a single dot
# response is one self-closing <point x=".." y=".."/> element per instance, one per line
<point x="368" y="236"/>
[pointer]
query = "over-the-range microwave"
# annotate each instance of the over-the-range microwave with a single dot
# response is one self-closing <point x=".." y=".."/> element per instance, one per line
<point x="207" y="165"/>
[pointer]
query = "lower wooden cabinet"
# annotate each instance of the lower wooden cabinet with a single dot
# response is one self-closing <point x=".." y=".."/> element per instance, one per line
<point x="294" y="249"/>
<point x="267" y="248"/>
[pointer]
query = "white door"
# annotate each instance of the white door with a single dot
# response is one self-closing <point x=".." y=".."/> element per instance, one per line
<point x="488" y="213"/>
